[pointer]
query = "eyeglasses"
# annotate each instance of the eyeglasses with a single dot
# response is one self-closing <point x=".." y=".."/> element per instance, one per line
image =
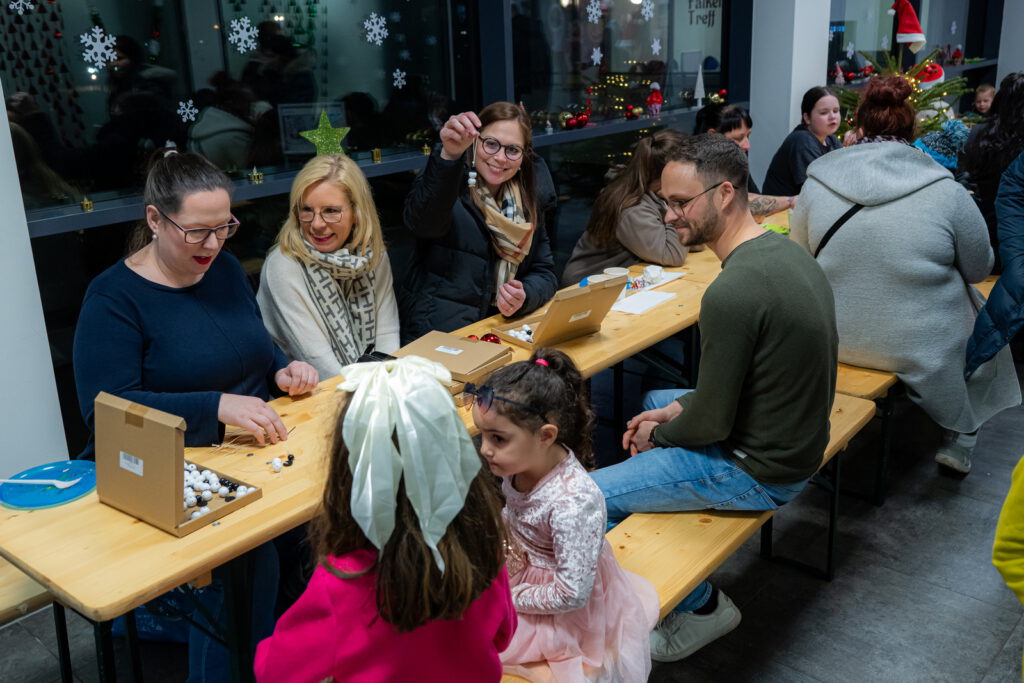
<point x="328" y="214"/>
<point x="485" y="397"/>
<point x="679" y="207"/>
<point x="200" y="235"/>
<point x="492" y="147"/>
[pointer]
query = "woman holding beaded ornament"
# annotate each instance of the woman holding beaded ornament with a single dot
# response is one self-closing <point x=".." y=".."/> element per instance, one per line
<point x="477" y="211"/>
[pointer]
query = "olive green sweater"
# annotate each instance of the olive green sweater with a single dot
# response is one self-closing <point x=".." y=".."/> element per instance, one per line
<point x="767" y="366"/>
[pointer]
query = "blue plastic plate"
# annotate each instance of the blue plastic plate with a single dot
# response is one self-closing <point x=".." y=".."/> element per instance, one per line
<point x="37" y="497"/>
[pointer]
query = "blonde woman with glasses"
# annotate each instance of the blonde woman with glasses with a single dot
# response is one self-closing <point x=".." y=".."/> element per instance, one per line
<point x="326" y="289"/>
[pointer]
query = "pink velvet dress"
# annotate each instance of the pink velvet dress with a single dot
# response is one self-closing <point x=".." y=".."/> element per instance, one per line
<point x="579" y="611"/>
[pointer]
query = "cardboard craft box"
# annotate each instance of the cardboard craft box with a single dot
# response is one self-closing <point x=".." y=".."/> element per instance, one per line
<point x="140" y="462"/>
<point x="469" y="360"/>
<point x="574" y="312"/>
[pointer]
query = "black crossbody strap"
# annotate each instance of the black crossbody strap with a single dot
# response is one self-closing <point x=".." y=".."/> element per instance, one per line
<point x="835" y="226"/>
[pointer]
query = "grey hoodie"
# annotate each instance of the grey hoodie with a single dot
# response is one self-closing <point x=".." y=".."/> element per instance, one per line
<point x="899" y="270"/>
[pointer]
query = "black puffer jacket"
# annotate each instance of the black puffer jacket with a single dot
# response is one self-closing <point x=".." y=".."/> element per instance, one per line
<point x="1003" y="315"/>
<point x="450" y="282"/>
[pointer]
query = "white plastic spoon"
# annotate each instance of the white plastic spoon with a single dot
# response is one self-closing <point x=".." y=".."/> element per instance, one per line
<point x="45" y="482"/>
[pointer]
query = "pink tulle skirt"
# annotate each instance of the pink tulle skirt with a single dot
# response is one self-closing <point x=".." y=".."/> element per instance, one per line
<point x="605" y="640"/>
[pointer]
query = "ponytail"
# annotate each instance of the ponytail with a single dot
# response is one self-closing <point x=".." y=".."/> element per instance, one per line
<point x="550" y="384"/>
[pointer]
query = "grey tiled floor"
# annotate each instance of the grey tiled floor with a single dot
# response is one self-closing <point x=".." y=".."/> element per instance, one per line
<point x="915" y="599"/>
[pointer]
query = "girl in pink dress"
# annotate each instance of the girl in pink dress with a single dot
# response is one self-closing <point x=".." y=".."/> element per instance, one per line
<point x="410" y="583"/>
<point x="579" y="611"/>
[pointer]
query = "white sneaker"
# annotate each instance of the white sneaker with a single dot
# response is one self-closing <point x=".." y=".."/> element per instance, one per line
<point x="680" y="634"/>
<point x="955" y="456"/>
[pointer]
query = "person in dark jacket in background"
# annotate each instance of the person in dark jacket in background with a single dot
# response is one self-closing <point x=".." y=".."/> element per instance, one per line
<point x="1003" y="314"/>
<point x="990" y="149"/>
<point x="815" y="136"/>
<point x="477" y="213"/>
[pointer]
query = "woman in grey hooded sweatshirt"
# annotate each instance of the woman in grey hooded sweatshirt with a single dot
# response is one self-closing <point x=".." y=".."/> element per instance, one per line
<point x="901" y="268"/>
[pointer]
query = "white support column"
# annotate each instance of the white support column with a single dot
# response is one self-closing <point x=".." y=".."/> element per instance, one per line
<point x="29" y="410"/>
<point x="1011" y="47"/>
<point x="788" y="55"/>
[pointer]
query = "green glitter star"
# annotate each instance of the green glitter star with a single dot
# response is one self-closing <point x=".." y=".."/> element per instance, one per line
<point x="326" y="137"/>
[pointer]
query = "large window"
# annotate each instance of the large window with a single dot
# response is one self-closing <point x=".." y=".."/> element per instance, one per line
<point x="93" y="88"/>
<point x="606" y="56"/>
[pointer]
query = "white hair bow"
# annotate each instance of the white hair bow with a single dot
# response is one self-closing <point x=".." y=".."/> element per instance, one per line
<point x="404" y="398"/>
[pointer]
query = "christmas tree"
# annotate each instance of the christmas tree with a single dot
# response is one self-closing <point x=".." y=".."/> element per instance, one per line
<point x="927" y="100"/>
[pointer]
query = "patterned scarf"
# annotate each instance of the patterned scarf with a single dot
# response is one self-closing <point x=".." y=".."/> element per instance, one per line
<point x="341" y="285"/>
<point x="882" y="138"/>
<point x="511" y="236"/>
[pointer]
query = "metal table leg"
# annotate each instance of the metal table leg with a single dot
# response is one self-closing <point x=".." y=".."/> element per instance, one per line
<point x="104" y="651"/>
<point x="238" y="612"/>
<point x="60" y="624"/>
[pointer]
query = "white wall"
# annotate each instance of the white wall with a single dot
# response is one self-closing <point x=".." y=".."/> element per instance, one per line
<point x="789" y="50"/>
<point x="31" y="422"/>
<point x="1011" y="47"/>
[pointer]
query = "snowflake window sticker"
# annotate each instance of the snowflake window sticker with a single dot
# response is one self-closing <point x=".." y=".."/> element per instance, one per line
<point x="656" y="46"/>
<point x="21" y="6"/>
<point x="647" y="10"/>
<point x="376" y="29"/>
<point x="242" y="35"/>
<point x="594" y="11"/>
<point x="398" y="79"/>
<point x="187" y="111"/>
<point x="595" y="56"/>
<point x="99" y="47"/>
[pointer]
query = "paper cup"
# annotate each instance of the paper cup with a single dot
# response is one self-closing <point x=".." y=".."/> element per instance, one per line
<point x="600" y="277"/>
<point x="653" y="274"/>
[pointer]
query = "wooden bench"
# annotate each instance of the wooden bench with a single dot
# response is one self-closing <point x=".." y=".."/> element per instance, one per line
<point x="877" y="386"/>
<point x="19" y="594"/>
<point x="676" y="551"/>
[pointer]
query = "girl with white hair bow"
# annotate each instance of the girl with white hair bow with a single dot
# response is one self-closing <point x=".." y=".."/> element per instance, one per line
<point x="410" y="576"/>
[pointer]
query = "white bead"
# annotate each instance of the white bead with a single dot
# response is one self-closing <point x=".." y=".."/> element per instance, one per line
<point x="206" y="474"/>
<point x="191" y="467"/>
<point x="196" y="514"/>
<point x="203" y="486"/>
<point x="184" y="505"/>
<point x="276" y="466"/>
<point x="223" y="491"/>
<point x="527" y="328"/>
<point x="204" y="510"/>
<point x="191" y="500"/>
<point x="241" y="491"/>
<point x="207" y="495"/>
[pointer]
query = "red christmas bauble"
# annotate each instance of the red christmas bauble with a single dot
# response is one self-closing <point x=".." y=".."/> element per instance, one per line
<point x="491" y="337"/>
<point x="582" y="120"/>
<point x="571" y="123"/>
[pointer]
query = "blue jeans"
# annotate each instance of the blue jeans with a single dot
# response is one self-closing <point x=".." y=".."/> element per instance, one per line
<point x="680" y="479"/>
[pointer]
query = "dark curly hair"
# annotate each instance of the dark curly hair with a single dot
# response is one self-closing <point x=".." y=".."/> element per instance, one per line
<point x="557" y="391"/>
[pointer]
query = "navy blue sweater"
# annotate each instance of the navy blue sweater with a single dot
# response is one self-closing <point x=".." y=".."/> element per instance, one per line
<point x="174" y="349"/>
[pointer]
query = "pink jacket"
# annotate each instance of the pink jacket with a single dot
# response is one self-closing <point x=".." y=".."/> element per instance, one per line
<point x="333" y="629"/>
